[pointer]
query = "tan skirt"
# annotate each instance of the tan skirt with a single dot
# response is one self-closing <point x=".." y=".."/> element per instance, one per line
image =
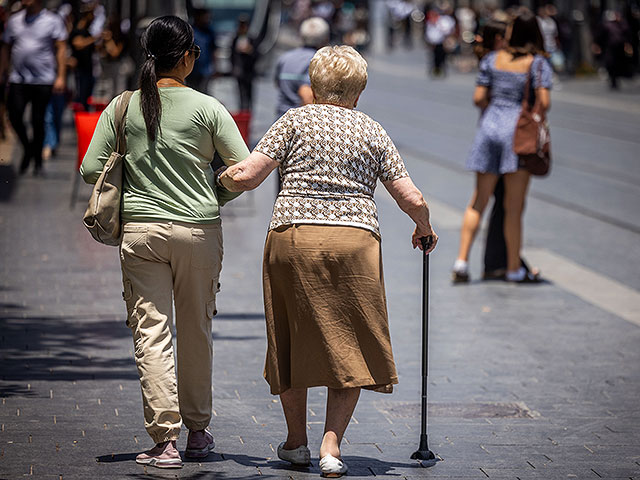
<point x="326" y="309"/>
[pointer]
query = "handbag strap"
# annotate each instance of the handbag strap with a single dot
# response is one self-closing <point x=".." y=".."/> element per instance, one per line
<point x="120" y="121"/>
<point x="527" y="86"/>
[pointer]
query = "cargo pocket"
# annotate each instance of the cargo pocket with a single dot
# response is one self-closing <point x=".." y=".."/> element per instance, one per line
<point x="211" y="305"/>
<point x="127" y="296"/>
<point x="211" y="309"/>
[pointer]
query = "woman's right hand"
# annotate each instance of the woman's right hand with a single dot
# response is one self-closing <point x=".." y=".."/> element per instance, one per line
<point x="421" y="232"/>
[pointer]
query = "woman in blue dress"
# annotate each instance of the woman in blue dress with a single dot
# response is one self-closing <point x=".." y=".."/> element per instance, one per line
<point x="499" y="92"/>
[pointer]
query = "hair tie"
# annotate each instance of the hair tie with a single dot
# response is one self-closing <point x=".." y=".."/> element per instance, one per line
<point x="151" y="56"/>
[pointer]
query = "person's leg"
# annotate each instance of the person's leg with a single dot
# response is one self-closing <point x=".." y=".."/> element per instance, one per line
<point x="84" y="87"/>
<point x="58" y="103"/>
<point x="250" y="91"/>
<point x="495" y="253"/>
<point x="438" y="58"/>
<point x="49" y="131"/>
<point x="340" y="406"/>
<point x="148" y="284"/>
<point x="196" y="261"/>
<point x="294" y="406"/>
<point x="515" y="192"/>
<point x="485" y="186"/>
<point x="16" y="104"/>
<point x="40" y="99"/>
<point x="242" y="100"/>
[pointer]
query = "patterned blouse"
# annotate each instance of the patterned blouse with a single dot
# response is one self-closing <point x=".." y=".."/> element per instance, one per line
<point x="330" y="160"/>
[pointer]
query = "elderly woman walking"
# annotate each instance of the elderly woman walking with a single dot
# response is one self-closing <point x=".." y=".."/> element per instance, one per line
<point x="172" y="243"/>
<point x="324" y="294"/>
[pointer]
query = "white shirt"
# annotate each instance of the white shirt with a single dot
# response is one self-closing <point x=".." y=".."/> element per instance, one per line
<point x="32" y="40"/>
<point x="549" y="31"/>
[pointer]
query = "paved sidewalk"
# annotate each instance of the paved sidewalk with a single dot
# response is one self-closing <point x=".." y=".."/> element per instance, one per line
<point x="525" y="383"/>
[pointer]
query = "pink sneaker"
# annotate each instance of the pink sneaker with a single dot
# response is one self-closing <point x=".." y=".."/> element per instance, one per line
<point x="199" y="444"/>
<point x="163" y="455"/>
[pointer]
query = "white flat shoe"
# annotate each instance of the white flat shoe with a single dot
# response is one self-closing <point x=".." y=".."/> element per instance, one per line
<point x="297" y="456"/>
<point x="332" y="467"/>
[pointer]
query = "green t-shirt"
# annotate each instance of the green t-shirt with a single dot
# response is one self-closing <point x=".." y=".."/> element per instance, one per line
<point x="170" y="179"/>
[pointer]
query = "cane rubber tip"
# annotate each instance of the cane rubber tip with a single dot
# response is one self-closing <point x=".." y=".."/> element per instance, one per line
<point x="428" y="463"/>
<point x="426" y="455"/>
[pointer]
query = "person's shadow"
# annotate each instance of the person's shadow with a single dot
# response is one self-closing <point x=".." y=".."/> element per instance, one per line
<point x="358" y="466"/>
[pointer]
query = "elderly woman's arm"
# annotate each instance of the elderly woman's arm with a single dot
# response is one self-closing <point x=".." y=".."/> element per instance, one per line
<point x="411" y="201"/>
<point x="249" y="173"/>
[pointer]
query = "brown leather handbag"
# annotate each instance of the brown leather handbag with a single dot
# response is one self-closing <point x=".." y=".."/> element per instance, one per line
<point x="531" y="141"/>
<point x="102" y="217"/>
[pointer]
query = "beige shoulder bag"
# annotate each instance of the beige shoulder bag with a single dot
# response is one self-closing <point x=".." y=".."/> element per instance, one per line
<point x="102" y="217"/>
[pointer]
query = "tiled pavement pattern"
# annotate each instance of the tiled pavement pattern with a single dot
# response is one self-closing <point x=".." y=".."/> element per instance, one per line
<point x="525" y="383"/>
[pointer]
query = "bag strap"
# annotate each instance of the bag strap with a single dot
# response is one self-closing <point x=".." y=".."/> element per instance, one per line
<point x="527" y="86"/>
<point x="120" y="121"/>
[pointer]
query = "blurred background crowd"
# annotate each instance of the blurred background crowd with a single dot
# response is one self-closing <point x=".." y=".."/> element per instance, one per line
<point x="243" y="38"/>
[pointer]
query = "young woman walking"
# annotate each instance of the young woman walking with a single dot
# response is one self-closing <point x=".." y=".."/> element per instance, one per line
<point x="172" y="242"/>
<point x="499" y="93"/>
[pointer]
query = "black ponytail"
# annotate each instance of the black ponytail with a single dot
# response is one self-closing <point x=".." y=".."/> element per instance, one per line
<point x="164" y="43"/>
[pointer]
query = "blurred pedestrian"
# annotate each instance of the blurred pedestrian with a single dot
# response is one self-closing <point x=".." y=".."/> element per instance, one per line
<point x="358" y="37"/>
<point x="243" y="63"/>
<point x="4" y="16"/>
<point x="83" y="46"/>
<point x="499" y="92"/>
<point x="205" y="67"/>
<point x="439" y="27"/>
<point x="171" y="249"/>
<point x="112" y="55"/>
<point x="324" y="292"/>
<point x="551" y="37"/>
<point x="491" y="38"/>
<point x="35" y="49"/>
<point x="613" y="43"/>
<point x="399" y="21"/>
<point x="495" y="252"/>
<point x="58" y="100"/>
<point x="292" y="69"/>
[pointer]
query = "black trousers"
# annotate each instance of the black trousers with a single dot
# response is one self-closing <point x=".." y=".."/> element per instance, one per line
<point x="85" y="81"/>
<point x="439" y="57"/>
<point x="245" y="90"/>
<point x="20" y="95"/>
<point x="495" y="252"/>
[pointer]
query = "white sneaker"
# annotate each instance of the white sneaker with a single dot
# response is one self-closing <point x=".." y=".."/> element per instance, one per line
<point x="332" y="467"/>
<point x="297" y="456"/>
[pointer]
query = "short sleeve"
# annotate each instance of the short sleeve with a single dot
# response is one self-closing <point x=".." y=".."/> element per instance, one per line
<point x="484" y="71"/>
<point x="304" y="77"/>
<point x="542" y="73"/>
<point x="391" y="164"/>
<point x="226" y="136"/>
<point x="103" y="143"/>
<point x="58" y="31"/>
<point x="276" y="143"/>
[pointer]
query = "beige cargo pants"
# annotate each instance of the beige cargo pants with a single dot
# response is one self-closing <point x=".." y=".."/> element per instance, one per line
<point x="162" y="262"/>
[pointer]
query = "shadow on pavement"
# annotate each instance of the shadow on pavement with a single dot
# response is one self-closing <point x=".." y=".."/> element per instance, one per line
<point x="60" y="348"/>
<point x="117" y="457"/>
<point x="7" y="182"/>
<point x="239" y="316"/>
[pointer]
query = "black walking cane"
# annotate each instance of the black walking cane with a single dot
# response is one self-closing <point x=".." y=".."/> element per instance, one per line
<point x="423" y="452"/>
